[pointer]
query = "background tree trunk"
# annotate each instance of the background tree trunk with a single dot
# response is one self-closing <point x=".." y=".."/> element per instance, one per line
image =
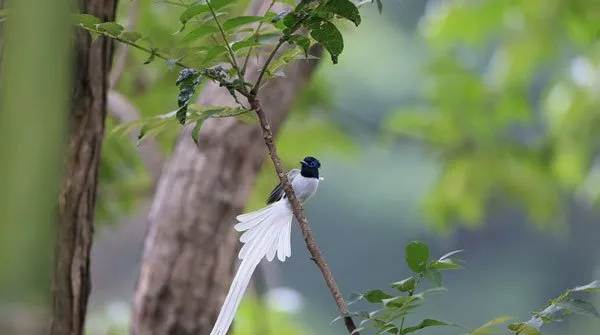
<point x="71" y="281"/>
<point x="191" y="245"/>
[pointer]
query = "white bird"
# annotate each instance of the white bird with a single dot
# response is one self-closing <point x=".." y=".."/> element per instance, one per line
<point x="267" y="233"/>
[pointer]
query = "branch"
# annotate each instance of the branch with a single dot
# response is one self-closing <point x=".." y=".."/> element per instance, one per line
<point x="302" y="221"/>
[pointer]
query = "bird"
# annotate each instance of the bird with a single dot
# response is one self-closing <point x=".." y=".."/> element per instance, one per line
<point x="266" y="233"/>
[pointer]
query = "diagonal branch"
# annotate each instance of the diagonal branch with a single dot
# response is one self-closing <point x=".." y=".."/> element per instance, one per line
<point x="302" y="221"/>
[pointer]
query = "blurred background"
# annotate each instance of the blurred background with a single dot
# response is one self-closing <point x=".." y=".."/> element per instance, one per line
<point x="465" y="124"/>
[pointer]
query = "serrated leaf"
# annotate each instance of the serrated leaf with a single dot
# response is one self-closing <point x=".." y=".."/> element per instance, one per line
<point x="111" y="28"/>
<point x="427" y="323"/>
<point x="240" y="21"/>
<point x="244" y="44"/>
<point x="343" y="8"/>
<point x="131" y="36"/>
<point x="189" y="13"/>
<point x="328" y="35"/>
<point x="354" y="297"/>
<point x="570" y="306"/>
<point x="375" y="296"/>
<point x="404" y="285"/>
<point x="214" y="52"/>
<point x="591" y="287"/>
<point x="198" y="33"/>
<point x="417" y="255"/>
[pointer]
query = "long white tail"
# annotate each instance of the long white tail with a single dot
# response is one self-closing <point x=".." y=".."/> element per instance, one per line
<point x="266" y="232"/>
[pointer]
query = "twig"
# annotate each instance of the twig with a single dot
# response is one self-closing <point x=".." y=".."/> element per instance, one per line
<point x="254" y="90"/>
<point x="304" y="225"/>
<point x="256" y="35"/>
<point x="231" y="54"/>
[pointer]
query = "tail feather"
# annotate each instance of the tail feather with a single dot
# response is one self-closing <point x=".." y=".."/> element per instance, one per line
<point x="266" y="234"/>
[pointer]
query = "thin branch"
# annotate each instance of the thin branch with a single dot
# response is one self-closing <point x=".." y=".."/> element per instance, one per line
<point x="231" y="54"/>
<point x="122" y="52"/>
<point x="303" y="222"/>
<point x="256" y="35"/>
<point x="254" y="90"/>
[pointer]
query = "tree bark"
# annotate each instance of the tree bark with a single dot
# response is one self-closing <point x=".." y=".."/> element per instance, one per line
<point x="71" y="281"/>
<point x="191" y="245"/>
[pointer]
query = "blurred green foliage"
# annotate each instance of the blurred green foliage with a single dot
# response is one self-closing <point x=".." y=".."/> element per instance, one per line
<point x="34" y="105"/>
<point x="252" y="318"/>
<point x="511" y="106"/>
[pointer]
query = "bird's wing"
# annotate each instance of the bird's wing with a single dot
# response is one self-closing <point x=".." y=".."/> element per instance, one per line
<point x="278" y="192"/>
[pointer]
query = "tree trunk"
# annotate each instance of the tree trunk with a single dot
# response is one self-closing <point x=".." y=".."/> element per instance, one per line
<point x="71" y="282"/>
<point x="191" y="245"/>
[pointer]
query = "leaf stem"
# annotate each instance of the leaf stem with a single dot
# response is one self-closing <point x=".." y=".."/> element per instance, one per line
<point x="256" y="35"/>
<point x="231" y="54"/>
<point x="254" y="89"/>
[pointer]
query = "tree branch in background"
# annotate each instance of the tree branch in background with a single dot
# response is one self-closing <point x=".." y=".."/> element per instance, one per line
<point x="124" y="111"/>
<point x="122" y="52"/>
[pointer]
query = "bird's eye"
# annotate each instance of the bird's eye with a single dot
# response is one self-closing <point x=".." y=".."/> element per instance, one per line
<point x="313" y="164"/>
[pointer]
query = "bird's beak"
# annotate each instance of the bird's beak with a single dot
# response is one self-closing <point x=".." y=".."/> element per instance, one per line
<point x="303" y="163"/>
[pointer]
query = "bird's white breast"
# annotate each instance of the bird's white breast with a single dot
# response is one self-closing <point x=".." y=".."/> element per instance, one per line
<point x="304" y="187"/>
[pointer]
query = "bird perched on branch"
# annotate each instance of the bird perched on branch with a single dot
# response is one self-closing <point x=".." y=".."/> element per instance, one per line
<point x="267" y="233"/>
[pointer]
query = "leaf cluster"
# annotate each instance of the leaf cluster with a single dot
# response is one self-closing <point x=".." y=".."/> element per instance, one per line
<point x="394" y="307"/>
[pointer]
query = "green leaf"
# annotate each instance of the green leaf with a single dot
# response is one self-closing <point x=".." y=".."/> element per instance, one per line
<point x="343" y="8"/>
<point x="487" y="328"/>
<point x="131" y="36"/>
<point x="219" y="4"/>
<point x="417" y="254"/>
<point x="591" y="287"/>
<point x="427" y="323"/>
<point x="580" y="307"/>
<point x="531" y="327"/>
<point x="354" y="297"/>
<point x="240" y="21"/>
<point x="396" y="301"/>
<point x="87" y="20"/>
<point x="196" y="130"/>
<point x="375" y="296"/>
<point x="445" y="264"/>
<point x="301" y="41"/>
<point x="244" y="44"/>
<point x="433" y="275"/>
<point x="189" y="13"/>
<point x="112" y="28"/>
<point x="328" y="35"/>
<point x="404" y="285"/>
<point x="198" y="33"/>
<point x="188" y="81"/>
<point x="151" y="57"/>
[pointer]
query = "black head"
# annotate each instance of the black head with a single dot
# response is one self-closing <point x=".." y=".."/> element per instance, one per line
<point x="310" y="167"/>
